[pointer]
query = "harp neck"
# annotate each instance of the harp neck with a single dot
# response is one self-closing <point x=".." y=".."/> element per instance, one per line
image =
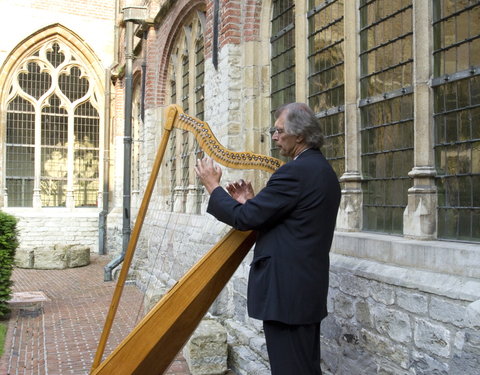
<point x="176" y="118"/>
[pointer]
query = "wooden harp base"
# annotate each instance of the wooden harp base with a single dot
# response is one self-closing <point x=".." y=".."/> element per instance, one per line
<point x="157" y="339"/>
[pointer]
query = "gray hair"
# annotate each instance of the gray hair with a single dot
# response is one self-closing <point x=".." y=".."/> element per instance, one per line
<point x="301" y="120"/>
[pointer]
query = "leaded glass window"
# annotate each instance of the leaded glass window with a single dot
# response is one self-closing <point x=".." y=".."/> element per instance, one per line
<point x="52" y="144"/>
<point x="20" y="154"/>
<point x="199" y="77"/>
<point x="187" y="71"/>
<point x="173" y="142"/>
<point x="326" y="76"/>
<point x="387" y="138"/>
<point x="137" y="141"/>
<point x="282" y="55"/>
<point x="456" y="87"/>
<point x="386" y="108"/>
<point x="199" y="102"/>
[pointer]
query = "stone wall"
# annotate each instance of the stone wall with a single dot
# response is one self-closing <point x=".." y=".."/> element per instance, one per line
<point x="392" y="320"/>
<point x="48" y="227"/>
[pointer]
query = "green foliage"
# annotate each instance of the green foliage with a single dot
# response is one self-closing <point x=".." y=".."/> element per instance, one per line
<point x="8" y="245"/>
<point x="3" y="333"/>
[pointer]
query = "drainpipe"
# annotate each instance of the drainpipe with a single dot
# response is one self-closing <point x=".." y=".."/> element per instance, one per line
<point x="131" y="15"/>
<point x="102" y="216"/>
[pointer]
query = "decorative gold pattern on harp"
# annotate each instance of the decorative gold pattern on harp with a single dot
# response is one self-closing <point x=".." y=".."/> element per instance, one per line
<point x="156" y="340"/>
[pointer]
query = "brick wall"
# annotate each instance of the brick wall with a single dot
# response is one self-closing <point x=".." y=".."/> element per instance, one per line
<point x="239" y="21"/>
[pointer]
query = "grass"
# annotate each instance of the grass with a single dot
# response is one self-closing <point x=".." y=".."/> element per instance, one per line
<point x="3" y="333"/>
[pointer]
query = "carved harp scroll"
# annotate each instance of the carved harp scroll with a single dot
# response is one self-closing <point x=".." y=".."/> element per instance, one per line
<point x="156" y="340"/>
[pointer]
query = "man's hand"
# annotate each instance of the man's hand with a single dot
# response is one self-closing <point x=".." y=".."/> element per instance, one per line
<point x="209" y="173"/>
<point x="241" y="191"/>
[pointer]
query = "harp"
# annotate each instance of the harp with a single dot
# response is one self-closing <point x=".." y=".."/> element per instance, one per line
<point x="156" y="340"/>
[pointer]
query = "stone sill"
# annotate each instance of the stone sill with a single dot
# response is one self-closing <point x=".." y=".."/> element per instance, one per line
<point x="445" y="257"/>
<point x="450" y="286"/>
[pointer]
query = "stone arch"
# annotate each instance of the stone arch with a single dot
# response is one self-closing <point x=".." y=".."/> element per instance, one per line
<point x="257" y="10"/>
<point x="171" y="29"/>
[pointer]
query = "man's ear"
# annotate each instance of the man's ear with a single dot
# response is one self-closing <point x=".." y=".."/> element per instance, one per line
<point x="300" y="139"/>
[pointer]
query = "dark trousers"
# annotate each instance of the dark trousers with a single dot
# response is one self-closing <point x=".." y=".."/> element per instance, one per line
<point x="293" y="349"/>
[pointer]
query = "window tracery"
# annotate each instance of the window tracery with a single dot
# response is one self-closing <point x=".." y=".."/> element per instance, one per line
<point x="52" y="137"/>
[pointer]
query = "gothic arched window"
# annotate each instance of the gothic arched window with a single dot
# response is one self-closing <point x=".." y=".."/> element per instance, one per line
<point x="186" y="78"/>
<point x="52" y="131"/>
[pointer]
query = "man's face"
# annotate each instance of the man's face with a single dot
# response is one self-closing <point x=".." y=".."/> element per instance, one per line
<point x="287" y="143"/>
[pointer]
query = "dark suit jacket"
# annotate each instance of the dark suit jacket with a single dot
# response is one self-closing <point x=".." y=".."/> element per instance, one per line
<point x="294" y="216"/>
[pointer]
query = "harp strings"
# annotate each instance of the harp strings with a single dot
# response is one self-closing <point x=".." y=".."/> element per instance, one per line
<point x="174" y="223"/>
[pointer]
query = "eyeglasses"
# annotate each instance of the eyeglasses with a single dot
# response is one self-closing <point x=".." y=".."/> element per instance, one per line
<point x="276" y="131"/>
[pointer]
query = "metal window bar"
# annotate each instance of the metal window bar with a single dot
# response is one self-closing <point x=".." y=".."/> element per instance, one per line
<point x="54" y="141"/>
<point x="36" y="82"/>
<point x="326" y="79"/>
<point x="456" y="86"/>
<point x="20" y="152"/>
<point x="54" y="56"/>
<point x="282" y="63"/>
<point x="185" y="157"/>
<point x="199" y="104"/>
<point x="185" y="140"/>
<point x="86" y="155"/>
<point x="199" y="78"/>
<point x="457" y="159"/>
<point x="456" y="49"/>
<point x="72" y="84"/>
<point x="185" y="84"/>
<point x="379" y="63"/>
<point x="387" y="113"/>
<point x="173" y="148"/>
<point x="387" y="157"/>
<point x="333" y="127"/>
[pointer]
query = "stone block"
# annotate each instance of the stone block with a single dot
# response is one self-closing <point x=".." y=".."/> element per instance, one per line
<point x="472" y="315"/>
<point x="432" y="337"/>
<point x="206" y="350"/>
<point x="24" y="258"/>
<point x="49" y="259"/>
<point x="447" y="311"/>
<point x="78" y="256"/>
<point x="58" y="257"/>
<point x="393" y="324"/>
<point x="151" y="298"/>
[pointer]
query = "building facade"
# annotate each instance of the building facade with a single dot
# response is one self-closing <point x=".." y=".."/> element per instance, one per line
<point x="397" y="90"/>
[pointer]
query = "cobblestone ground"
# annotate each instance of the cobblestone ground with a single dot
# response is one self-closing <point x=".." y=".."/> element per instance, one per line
<point x="61" y="336"/>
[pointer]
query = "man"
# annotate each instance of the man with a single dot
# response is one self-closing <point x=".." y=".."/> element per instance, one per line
<point x="294" y="216"/>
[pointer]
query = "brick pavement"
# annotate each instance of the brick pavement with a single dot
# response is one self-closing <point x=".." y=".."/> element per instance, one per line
<point x="61" y="338"/>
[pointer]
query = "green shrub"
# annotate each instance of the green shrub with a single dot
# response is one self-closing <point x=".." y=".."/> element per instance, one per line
<point x="3" y="333"/>
<point x="8" y="245"/>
